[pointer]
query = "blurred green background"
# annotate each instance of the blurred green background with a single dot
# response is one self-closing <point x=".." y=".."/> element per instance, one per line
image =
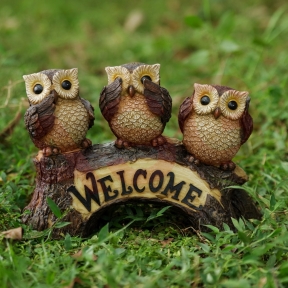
<point x="241" y="44"/>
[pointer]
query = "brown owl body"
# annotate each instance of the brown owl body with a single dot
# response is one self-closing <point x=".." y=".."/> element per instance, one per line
<point x="215" y="123"/>
<point x="134" y="122"/>
<point x="70" y="126"/>
<point x="58" y="119"/>
<point x="136" y="107"/>
<point x="221" y="144"/>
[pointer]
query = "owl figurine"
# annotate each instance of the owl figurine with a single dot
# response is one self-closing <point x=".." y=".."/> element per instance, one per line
<point x="57" y="119"/>
<point x="215" y="122"/>
<point x="136" y="107"/>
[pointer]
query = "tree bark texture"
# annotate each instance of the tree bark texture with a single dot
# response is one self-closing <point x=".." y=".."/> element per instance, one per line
<point x="86" y="184"/>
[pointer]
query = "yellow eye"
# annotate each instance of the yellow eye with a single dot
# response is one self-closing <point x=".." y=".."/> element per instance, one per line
<point x="232" y="103"/>
<point x="205" y="98"/>
<point x="149" y="72"/>
<point x="66" y="84"/>
<point x="118" y="72"/>
<point x="38" y="86"/>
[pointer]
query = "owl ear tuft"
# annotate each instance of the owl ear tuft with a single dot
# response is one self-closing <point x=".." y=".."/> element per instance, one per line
<point x="244" y="94"/>
<point x="25" y="77"/>
<point x="156" y="67"/>
<point x="108" y="69"/>
<point x="197" y="86"/>
<point x="73" y="71"/>
<point x="114" y="71"/>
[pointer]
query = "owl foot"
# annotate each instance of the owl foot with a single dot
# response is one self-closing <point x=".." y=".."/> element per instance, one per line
<point x="48" y="151"/>
<point x="158" y="141"/>
<point x="228" y="166"/>
<point x="86" y="143"/>
<point x="119" y="143"/>
<point x="193" y="159"/>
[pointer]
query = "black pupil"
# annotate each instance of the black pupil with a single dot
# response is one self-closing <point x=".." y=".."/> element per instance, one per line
<point x="146" y="77"/>
<point x="38" y="88"/>
<point x="205" y="100"/>
<point x="232" y="105"/>
<point x="66" y="84"/>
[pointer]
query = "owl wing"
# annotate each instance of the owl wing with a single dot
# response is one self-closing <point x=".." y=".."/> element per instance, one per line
<point x="158" y="100"/>
<point x="246" y="122"/>
<point x="110" y="98"/>
<point x="90" y="110"/>
<point x="39" y="119"/>
<point x="184" y="111"/>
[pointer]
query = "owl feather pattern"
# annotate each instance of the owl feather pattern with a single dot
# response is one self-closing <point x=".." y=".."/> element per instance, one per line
<point x="136" y="107"/>
<point x="215" y="123"/>
<point x="57" y="119"/>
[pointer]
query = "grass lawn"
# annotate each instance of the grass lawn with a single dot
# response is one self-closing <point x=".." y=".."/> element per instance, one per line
<point x="241" y="44"/>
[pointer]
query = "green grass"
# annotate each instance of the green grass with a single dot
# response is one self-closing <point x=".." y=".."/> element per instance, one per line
<point x="242" y="44"/>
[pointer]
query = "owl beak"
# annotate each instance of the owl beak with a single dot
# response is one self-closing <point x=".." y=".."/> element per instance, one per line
<point x="217" y="113"/>
<point x="131" y="90"/>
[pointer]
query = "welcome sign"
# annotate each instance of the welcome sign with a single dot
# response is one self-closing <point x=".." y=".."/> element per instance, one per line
<point x="145" y="178"/>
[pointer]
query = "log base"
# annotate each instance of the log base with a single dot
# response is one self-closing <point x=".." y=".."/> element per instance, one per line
<point x="86" y="184"/>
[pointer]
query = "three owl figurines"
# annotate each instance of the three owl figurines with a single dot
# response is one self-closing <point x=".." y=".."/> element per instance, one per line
<point x="215" y="121"/>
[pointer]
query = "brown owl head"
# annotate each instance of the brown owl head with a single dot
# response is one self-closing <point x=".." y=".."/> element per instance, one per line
<point x="219" y="100"/>
<point x="40" y="85"/>
<point x="133" y="74"/>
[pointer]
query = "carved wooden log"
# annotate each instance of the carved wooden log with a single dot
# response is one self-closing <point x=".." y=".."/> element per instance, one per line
<point x="87" y="183"/>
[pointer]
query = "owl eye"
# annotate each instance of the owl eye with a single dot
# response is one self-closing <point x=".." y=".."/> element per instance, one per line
<point x="38" y="88"/>
<point x="66" y="84"/>
<point x="142" y="72"/>
<point x="232" y="105"/>
<point x="205" y="100"/>
<point x="146" y="77"/>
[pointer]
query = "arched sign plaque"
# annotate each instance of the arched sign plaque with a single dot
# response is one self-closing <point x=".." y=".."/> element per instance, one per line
<point x="141" y="179"/>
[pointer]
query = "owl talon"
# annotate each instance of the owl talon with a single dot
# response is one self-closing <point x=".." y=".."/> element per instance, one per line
<point x="55" y="151"/>
<point x="48" y="151"/>
<point x="194" y="160"/>
<point x="86" y="143"/>
<point x="159" y="141"/>
<point x="229" y="166"/>
<point x="191" y="159"/>
<point x="119" y="143"/>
